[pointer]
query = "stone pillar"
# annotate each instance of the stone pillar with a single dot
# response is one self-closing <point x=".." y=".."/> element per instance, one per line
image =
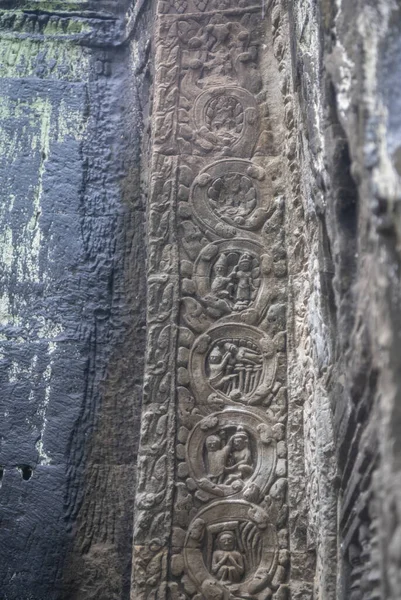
<point x="267" y="184"/>
<point x="221" y="497"/>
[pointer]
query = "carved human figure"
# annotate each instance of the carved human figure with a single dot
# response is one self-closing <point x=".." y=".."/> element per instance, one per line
<point x="240" y="459"/>
<point x="221" y="365"/>
<point x="216" y="458"/>
<point x="228" y="462"/>
<point x="234" y="368"/>
<point x="224" y="116"/>
<point x="227" y="562"/>
<point x="230" y="280"/>
<point x="221" y="284"/>
<point x="242" y="273"/>
<point x="233" y="197"/>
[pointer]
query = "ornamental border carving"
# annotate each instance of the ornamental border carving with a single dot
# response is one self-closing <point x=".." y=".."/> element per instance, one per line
<point x="214" y="430"/>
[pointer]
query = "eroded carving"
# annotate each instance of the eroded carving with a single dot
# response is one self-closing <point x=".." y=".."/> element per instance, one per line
<point x="234" y="367"/>
<point x="232" y="197"/>
<point x="232" y="276"/>
<point x="234" y="461"/>
<point x="182" y="6"/>
<point x="228" y="563"/>
<point x="227" y="119"/>
<point x="226" y="197"/>
<point x="216" y="219"/>
<point x="236" y="362"/>
<point x="231" y="451"/>
<point x="236" y="278"/>
<point x="235" y="555"/>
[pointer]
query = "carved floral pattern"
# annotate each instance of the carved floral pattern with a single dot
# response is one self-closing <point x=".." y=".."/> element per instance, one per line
<point x="216" y="365"/>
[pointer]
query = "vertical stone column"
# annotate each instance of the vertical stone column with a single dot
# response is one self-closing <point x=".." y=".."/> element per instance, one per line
<point x="220" y="510"/>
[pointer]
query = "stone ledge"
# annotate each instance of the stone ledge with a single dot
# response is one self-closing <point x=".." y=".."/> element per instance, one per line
<point x="89" y="23"/>
<point x="96" y="8"/>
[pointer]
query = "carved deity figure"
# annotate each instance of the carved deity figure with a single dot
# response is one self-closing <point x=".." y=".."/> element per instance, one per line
<point x="242" y="273"/>
<point x="227" y="562"/>
<point x="228" y="462"/>
<point x="221" y="285"/>
<point x="240" y="458"/>
<point x="225" y="115"/>
<point x="221" y="365"/>
<point x="216" y="458"/>
<point x="235" y="369"/>
<point x="233" y="197"/>
<point x="235" y="279"/>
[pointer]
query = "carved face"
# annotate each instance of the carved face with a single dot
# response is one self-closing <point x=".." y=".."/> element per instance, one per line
<point x="215" y="356"/>
<point x="213" y="443"/>
<point x="245" y="263"/>
<point x="220" y="270"/>
<point x="196" y="531"/>
<point x="226" y="541"/>
<point x="239" y="442"/>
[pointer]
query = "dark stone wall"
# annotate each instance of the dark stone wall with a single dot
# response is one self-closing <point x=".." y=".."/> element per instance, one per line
<point x="73" y="90"/>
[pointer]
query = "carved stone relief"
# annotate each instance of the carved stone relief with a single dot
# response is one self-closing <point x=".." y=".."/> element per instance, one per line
<point x="231" y="276"/>
<point x="230" y="550"/>
<point x="235" y="362"/>
<point x="217" y="312"/>
<point x="227" y="196"/>
<point x="231" y="451"/>
<point x="226" y="120"/>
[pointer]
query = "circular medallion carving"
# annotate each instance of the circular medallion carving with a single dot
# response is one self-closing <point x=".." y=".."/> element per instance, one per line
<point x="230" y="276"/>
<point x="227" y="199"/>
<point x="231" y="451"/>
<point x="231" y="547"/>
<point x="230" y="116"/>
<point x="233" y="362"/>
<point x="233" y="197"/>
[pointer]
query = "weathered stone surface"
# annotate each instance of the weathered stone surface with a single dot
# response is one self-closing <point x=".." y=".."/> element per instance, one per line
<point x="73" y="292"/>
<point x="217" y="267"/>
<point x="268" y="463"/>
<point x="348" y="89"/>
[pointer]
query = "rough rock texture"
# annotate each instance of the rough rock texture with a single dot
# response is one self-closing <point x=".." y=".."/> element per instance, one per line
<point x="346" y="64"/>
<point x="73" y="89"/>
